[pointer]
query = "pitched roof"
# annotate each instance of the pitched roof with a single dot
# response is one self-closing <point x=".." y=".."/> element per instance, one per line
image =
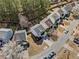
<point x="5" y="34"/>
<point x="37" y="29"/>
<point x="20" y="35"/>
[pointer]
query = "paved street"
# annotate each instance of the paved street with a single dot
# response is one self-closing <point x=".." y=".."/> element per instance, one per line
<point x="58" y="45"/>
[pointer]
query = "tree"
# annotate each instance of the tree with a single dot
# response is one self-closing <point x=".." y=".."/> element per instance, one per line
<point x="9" y="9"/>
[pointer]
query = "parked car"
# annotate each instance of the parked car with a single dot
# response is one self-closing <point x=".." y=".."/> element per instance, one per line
<point x="1" y="43"/>
<point x="45" y="58"/>
<point x="66" y="31"/>
<point x="23" y="44"/>
<point x="76" y="40"/>
<point x="51" y="55"/>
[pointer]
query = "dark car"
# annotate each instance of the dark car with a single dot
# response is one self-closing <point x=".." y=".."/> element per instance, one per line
<point x="67" y="15"/>
<point x="1" y="43"/>
<point x="76" y="40"/>
<point x="45" y="58"/>
<point x="66" y="31"/>
<point x="23" y="44"/>
<point x="51" y="55"/>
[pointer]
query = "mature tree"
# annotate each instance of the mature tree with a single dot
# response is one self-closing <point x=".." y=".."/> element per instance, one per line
<point x="9" y="9"/>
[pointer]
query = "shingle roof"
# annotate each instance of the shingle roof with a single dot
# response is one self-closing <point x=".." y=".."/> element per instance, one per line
<point x="20" y="35"/>
<point x="37" y="29"/>
<point x="5" y="34"/>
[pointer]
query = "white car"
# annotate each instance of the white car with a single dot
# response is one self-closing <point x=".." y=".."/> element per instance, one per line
<point x="66" y="31"/>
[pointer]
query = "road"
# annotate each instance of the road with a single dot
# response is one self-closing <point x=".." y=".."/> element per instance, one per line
<point x="59" y="44"/>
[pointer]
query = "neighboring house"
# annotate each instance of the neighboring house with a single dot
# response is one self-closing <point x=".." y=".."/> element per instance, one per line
<point x="72" y="4"/>
<point x="76" y="2"/>
<point x="75" y="11"/>
<point x="43" y="23"/>
<point x="51" y="17"/>
<point x="20" y="35"/>
<point x="21" y="39"/>
<point x="56" y="17"/>
<point x="47" y="22"/>
<point x="50" y="20"/>
<point x="5" y="35"/>
<point x="60" y="12"/>
<point x="67" y="8"/>
<point x="37" y="30"/>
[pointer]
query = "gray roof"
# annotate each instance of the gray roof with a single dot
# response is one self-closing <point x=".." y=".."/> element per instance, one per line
<point x="60" y="11"/>
<point x="5" y="34"/>
<point x="55" y="16"/>
<point x="68" y="7"/>
<point x="37" y="29"/>
<point x="20" y="35"/>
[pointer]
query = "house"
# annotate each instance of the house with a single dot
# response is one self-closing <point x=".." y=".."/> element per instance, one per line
<point x="20" y="35"/>
<point x="56" y="17"/>
<point x="43" y="23"/>
<point x="47" y="22"/>
<point x="21" y="39"/>
<point x="5" y="35"/>
<point x="60" y="12"/>
<point x="75" y="11"/>
<point x="51" y="17"/>
<point x="76" y="2"/>
<point x="67" y="8"/>
<point x="37" y="30"/>
<point x="72" y="4"/>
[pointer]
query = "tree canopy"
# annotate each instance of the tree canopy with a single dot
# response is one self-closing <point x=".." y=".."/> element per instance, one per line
<point x="9" y="9"/>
